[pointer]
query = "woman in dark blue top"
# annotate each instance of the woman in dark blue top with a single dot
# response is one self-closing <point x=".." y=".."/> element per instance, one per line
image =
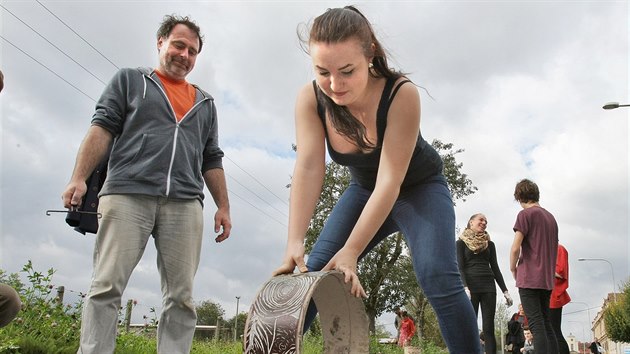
<point x="368" y="116"/>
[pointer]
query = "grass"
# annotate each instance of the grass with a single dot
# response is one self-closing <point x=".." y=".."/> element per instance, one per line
<point x="44" y="326"/>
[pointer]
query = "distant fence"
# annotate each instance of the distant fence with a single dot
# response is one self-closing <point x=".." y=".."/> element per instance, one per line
<point x="137" y="327"/>
<point x="144" y="326"/>
<point x="141" y="327"/>
<point x="197" y="327"/>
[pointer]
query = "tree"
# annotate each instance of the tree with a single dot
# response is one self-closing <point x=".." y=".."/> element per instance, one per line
<point x="427" y="327"/>
<point x="418" y="306"/>
<point x="240" y="326"/>
<point x="209" y="314"/>
<point x="459" y="183"/>
<point x="385" y="273"/>
<point x="617" y="317"/>
<point x="336" y="180"/>
<point x="381" y="281"/>
<point x="501" y="317"/>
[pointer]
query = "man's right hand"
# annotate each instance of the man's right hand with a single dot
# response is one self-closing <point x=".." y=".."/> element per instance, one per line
<point x="73" y="194"/>
<point x="93" y="149"/>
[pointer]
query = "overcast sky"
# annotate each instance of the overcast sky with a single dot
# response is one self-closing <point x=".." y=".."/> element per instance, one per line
<point x="518" y="84"/>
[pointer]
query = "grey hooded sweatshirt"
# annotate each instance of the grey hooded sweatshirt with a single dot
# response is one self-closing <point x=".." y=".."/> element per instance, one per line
<point x="152" y="153"/>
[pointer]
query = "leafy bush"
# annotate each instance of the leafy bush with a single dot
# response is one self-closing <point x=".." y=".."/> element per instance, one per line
<point x="426" y="347"/>
<point x="132" y="343"/>
<point x="211" y="347"/>
<point x="617" y="316"/>
<point x="44" y="325"/>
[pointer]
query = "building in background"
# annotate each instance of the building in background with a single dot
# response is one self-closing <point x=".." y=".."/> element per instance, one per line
<point x="599" y="330"/>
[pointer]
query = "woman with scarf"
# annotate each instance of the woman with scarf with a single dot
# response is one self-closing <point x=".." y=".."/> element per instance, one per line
<point x="477" y="260"/>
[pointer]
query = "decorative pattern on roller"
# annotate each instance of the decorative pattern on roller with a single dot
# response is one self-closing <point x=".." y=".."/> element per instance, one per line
<point x="276" y="318"/>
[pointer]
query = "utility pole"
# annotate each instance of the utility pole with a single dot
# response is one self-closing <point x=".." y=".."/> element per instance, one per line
<point x="236" y="318"/>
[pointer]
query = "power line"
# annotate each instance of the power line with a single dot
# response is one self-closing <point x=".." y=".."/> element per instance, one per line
<point x="259" y="197"/>
<point x="47" y="68"/>
<point x="78" y="35"/>
<point x="257" y="208"/>
<point x="88" y="96"/>
<point x="578" y="311"/>
<point x="52" y="44"/>
<point x="257" y="181"/>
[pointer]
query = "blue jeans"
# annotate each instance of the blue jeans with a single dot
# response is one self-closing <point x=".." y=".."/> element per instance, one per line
<point x="536" y="306"/>
<point x="128" y="222"/>
<point x="425" y="215"/>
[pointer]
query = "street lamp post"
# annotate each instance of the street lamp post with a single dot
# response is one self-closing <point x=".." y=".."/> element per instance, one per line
<point x="583" y="342"/>
<point x="613" y="105"/>
<point x="588" y="310"/>
<point x="236" y="318"/>
<point x="611" y="270"/>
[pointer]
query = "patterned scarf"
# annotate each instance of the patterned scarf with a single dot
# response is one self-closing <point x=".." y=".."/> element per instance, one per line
<point x="475" y="242"/>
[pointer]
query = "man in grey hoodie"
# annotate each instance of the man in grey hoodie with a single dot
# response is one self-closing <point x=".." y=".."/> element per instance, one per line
<point x="163" y="138"/>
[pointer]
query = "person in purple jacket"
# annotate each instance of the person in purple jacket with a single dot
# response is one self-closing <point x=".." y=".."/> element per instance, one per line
<point x="533" y="263"/>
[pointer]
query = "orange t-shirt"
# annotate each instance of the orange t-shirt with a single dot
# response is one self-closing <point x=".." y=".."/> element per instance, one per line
<point x="180" y="94"/>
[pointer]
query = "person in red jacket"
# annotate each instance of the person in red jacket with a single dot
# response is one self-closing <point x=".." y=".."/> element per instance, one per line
<point x="560" y="297"/>
<point x="407" y="330"/>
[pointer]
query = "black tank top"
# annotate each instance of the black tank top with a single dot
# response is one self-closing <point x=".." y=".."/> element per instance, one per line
<point x="425" y="161"/>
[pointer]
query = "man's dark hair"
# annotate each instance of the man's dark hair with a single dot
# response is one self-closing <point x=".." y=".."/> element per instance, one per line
<point x="171" y="21"/>
<point x="526" y="191"/>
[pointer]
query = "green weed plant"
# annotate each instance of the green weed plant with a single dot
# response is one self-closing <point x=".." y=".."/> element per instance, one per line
<point x="46" y="326"/>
